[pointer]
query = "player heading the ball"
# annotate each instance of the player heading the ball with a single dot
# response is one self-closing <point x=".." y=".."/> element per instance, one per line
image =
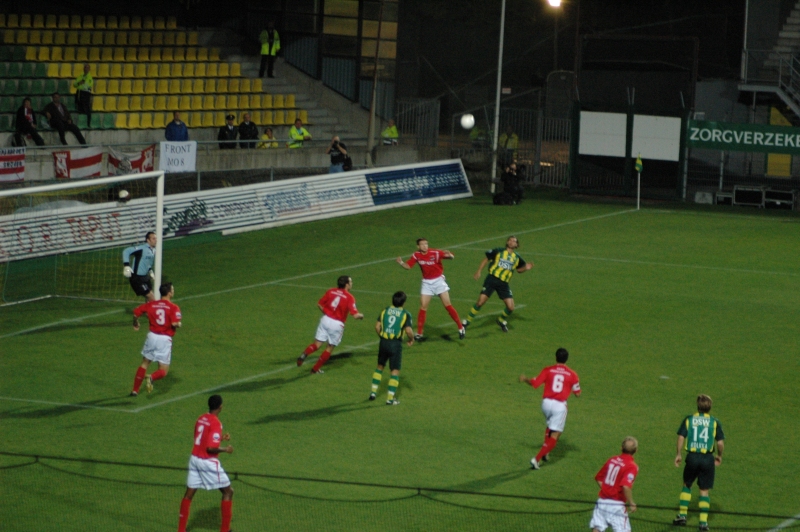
<point x="137" y="262"/>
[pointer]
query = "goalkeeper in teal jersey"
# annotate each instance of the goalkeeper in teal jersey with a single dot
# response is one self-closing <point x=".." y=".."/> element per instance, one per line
<point x="699" y="435"/>
<point x="392" y="323"/>
<point x="137" y="262"/>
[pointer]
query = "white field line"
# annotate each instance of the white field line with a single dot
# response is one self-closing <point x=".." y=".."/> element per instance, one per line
<point x="54" y="403"/>
<point x="786" y="524"/>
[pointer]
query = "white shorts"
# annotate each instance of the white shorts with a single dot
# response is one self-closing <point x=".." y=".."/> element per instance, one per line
<point x="434" y="287"/>
<point x="207" y="474"/>
<point x="329" y="330"/>
<point x="555" y="414"/>
<point x="158" y="348"/>
<point x="610" y="513"/>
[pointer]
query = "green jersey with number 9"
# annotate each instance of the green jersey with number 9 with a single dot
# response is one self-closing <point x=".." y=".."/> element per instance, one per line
<point x="702" y="432"/>
<point x="393" y="322"/>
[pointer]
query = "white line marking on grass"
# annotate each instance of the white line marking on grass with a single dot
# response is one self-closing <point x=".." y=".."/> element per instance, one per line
<point x="71" y="405"/>
<point x="61" y="322"/>
<point x="786" y="524"/>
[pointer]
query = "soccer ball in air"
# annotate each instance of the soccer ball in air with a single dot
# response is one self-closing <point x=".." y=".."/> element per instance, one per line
<point x="467" y="121"/>
<point x="124" y="195"/>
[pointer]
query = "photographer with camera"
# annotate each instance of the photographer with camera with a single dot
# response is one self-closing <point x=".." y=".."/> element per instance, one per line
<point x="338" y="153"/>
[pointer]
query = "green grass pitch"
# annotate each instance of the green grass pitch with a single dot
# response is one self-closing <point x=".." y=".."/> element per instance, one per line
<point x="654" y="306"/>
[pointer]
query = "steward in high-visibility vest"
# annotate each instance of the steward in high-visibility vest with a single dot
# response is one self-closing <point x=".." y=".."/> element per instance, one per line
<point x="297" y="134"/>
<point x="83" y="97"/>
<point x="270" y="45"/>
<point x="390" y="134"/>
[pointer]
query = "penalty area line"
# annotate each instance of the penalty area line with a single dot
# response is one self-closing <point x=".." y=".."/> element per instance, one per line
<point x="786" y="524"/>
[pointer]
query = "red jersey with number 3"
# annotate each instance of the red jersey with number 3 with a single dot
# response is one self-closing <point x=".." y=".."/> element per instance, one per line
<point x="161" y="314"/>
<point x="337" y="303"/>
<point x="430" y="263"/>
<point x="207" y="433"/>
<point x="620" y="471"/>
<point x="559" y="381"/>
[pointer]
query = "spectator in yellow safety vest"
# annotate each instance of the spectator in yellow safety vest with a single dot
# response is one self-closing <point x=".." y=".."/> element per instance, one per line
<point x="270" y="45"/>
<point x="297" y="134"/>
<point x="390" y="134"/>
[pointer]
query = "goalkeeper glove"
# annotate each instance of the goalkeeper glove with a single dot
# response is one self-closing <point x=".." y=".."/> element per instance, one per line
<point x="127" y="272"/>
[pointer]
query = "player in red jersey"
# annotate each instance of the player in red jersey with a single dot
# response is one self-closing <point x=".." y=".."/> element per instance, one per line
<point x="433" y="283"/>
<point x="165" y="318"/>
<point x="335" y="305"/>
<point x="616" y="490"/>
<point x="559" y="381"/>
<point x="205" y="471"/>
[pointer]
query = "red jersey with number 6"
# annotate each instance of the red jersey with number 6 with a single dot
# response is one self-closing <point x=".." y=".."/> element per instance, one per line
<point x="559" y="381"/>
<point x="161" y="314"/>
<point x="207" y="433"/>
<point x="620" y="471"/>
<point x="430" y="263"/>
<point x="337" y="303"/>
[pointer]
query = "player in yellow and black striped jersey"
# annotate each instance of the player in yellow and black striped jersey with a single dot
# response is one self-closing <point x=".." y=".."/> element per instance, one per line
<point x="503" y="262"/>
<point x="392" y="323"/>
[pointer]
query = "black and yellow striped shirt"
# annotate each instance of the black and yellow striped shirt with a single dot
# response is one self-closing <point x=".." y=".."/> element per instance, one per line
<point x="393" y="322"/>
<point x="503" y="263"/>
<point x="702" y="432"/>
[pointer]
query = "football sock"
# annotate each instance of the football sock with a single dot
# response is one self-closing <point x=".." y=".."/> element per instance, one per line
<point x="226" y="507"/>
<point x="506" y="313"/>
<point x="704" y="505"/>
<point x="686" y="498"/>
<point x="394" y="382"/>
<point x="137" y="382"/>
<point x="322" y="359"/>
<point x="472" y="313"/>
<point x="157" y="375"/>
<point x="310" y="349"/>
<point x="454" y="315"/>
<point x="548" y="445"/>
<point x="421" y="321"/>
<point x="183" y="517"/>
<point x="376" y="380"/>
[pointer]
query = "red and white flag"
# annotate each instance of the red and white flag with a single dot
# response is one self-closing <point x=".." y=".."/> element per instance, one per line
<point x="120" y="163"/>
<point x="12" y="164"/>
<point x="87" y="162"/>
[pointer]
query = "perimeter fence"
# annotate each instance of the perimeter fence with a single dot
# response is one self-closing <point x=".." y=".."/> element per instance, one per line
<point x="62" y="493"/>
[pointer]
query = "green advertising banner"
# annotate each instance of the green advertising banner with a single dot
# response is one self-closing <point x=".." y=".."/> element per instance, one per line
<point x="743" y="137"/>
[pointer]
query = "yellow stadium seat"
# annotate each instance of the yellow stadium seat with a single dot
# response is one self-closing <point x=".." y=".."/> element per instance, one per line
<point x="147" y="23"/>
<point x="180" y="39"/>
<point x="174" y="86"/>
<point x="133" y="121"/>
<point x="110" y="103"/>
<point x="208" y="102"/>
<point x="107" y="54"/>
<point x="75" y="22"/>
<point x="186" y="86"/>
<point x="220" y="102"/>
<point x="30" y="53"/>
<point x="277" y="101"/>
<point x="163" y="70"/>
<point x="123" y="103"/>
<point x="8" y="37"/>
<point x="159" y="23"/>
<point x="144" y="38"/>
<point x="200" y="70"/>
<point x="169" y="38"/>
<point x="116" y="70"/>
<point x="244" y="85"/>
<point x="130" y="54"/>
<point x="291" y="116"/>
<point x="69" y="54"/>
<point x="59" y="38"/>
<point x="136" y="103"/>
<point x="140" y="71"/>
<point x="256" y="86"/>
<point x="148" y="103"/>
<point x="22" y="36"/>
<point x="98" y="103"/>
<point x="38" y="21"/>
<point x="233" y="85"/>
<point x="77" y="69"/>
<point x="101" y="87"/>
<point x="257" y="117"/>
<point x="211" y="86"/>
<point x="127" y="70"/>
<point x="82" y="54"/>
<point x="155" y="54"/>
<point x="159" y="121"/>
<point x="97" y="38"/>
<point x="124" y="23"/>
<point x="213" y="54"/>
<point x="144" y="54"/>
<point x="47" y="37"/>
<point x="25" y="21"/>
<point x="211" y="70"/>
<point x="125" y="86"/>
<point x="244" y="101"/>
<point x="51" y="22"/>
<point x="222" y="85"/>
<point x="166" y="55"/>
<point x="94" y="54"/>
<point x="73" y="38"/>
<point x="63" y="21"/>
<point x="120" y="121"/>
<point x="289" y="102"/>
<point x="113" y="86"/>
<point x="119" y="54"/>
<point x="208" y="119"/>
<point x="150" y="86"/>
<point x="152" y="70"/>
<point x="172" y="23"/>
<point x="112" y="23"/>
<point x="233" y="101"/>
<point x="188" y="70"/>
<point x="110" y="38"/>
<point x="35" y="37"/>
<point x="12" y="21"/>
<point x="2" y="20"/>
<point x="255" y="101"/>
<point x="175" y="70"/>
<point x="223" y="70"/>
<point x="236" y="70"/>
<point x="138" y="86"/>
<point x="136" y="22"/>
<point x="161" y="103"/>
<point x="196" y="119"/>
<point x="202" y="54"/>
<point x="103" y="70"/>
<point x="179" y="54"/>
<point x="146" y="121"/>
<point x="303" y="116"/>
<point x="43" y="53"/>
<point x="191" y="54"/>
<point x="279" y="118"/>
<point x="185" y="103"/>
<point x="192" y="39"/>
<point x="157" y="38"/>
<point x="52" y="70"/>
<point x="198" y="86"/>
<point x="130" y="38"/>
<point x="266" y="101"/>
<point x="173" y="102"/>
<point x="267" y="118"/>
<point x="100" y="22"/>
<point x="65" y="70"/>
<point x="85" y="38"/>
<point x="88" y="22"/>
<point x="163" y="86"/>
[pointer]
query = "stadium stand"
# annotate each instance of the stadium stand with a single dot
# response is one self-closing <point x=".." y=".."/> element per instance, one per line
<point x="144" y="68"/>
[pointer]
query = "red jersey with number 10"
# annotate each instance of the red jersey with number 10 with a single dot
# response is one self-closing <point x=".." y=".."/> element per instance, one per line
<point x="161" y="314"/>
<point x="207" y="433"/>
<point x="430" y="263"/>
<point x="337" y="303"/>
<point x="620" y="471"/>
<point x="559" y="381"/>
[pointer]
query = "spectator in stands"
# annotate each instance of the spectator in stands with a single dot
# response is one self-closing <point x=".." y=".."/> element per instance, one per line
<point x="390" y="134"/>
<point x="338" y="153"/>
<point x="59" y="118"/>
<point x="507" y="146"/>
<point x="247" y="131"/>
<point x="268" y="139"/>
<point x="26" y="125"/>
<point x="512" y="183"/>
<point x="297" y="134"/>
<point x="83" y="97"/>
<point x="228" y="132"/>
<point x="270" y="44"/>
<point x="176" y="131"/>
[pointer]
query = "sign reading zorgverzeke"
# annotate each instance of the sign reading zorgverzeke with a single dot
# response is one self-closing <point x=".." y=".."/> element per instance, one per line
<point x="743" y="137"/>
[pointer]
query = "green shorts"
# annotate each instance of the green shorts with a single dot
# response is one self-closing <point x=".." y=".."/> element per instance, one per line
<point x="391" y="350"/>
<point x="492" y="284"/>
<point x="700" y="467"/>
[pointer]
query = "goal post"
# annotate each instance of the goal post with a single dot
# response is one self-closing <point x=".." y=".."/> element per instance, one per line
<point x="66" y="239"/>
